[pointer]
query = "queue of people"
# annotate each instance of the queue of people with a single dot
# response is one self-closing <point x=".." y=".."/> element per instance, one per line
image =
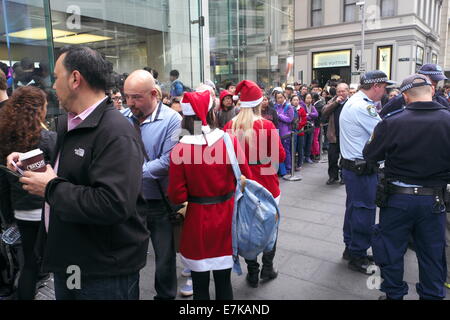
<point x="122" y="158"/>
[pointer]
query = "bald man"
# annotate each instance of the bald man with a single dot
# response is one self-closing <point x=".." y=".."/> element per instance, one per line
<point x="159" y="127"/>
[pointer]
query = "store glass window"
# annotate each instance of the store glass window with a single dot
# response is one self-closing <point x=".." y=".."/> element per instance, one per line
<point x="251" y="40"/>
<point x="132" y="34"/>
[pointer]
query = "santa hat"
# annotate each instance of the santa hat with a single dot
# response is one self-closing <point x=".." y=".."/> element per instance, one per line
<point x="197" y="104"/>
<point x="251" y="95"/>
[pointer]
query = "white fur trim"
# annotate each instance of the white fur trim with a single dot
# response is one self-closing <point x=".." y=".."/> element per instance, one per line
<point x="199" y="139"/>
<point x="218" y="263"/>
<point x="251" y="104"/>
<point x="206" y="129"/>
<point x="187" y="110"/>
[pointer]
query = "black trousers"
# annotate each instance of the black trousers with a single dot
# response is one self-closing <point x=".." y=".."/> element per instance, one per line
<point x="30" y="270"/>
<point x="267" y="261"/>
<point x="161" y="235"/>
<point x="222" y="281"/>
<point x="334" y="153"/>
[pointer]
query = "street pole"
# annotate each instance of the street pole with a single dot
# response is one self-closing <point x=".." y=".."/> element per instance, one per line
<point x="362" y="6"/>
<point x="292" y="177"/>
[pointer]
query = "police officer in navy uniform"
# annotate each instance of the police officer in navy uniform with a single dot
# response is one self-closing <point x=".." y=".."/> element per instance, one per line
<point x="435" y="74"/>
<point x="415" y="144"/>
<point x="356" y="123"/>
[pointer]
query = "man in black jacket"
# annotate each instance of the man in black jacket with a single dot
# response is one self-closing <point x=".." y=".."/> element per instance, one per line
<point x="96" y="234"/>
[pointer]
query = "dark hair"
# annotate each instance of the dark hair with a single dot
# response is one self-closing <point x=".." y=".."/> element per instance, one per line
<point x="20" y="121"/>
<point x="277" y="93"/>
<point x="295" y="96"/>
<point x="333" y="91"/>
<point x="115" y="90"/>
<point x="4" y="67"/>
<point x="315" y="97"/>
<point x="228" y="85"/>
<point x="189" y="122"/>
<point x="90" y="63"/>
<point x="152" y="71"/>
<point x="3" y="84"/>
<point x="174" y="73"/>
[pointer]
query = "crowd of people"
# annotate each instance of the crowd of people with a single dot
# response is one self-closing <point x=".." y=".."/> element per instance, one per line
<point x="128" y="150"/>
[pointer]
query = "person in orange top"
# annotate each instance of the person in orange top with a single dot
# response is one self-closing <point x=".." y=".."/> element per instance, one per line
<point x="200" y="174"/>
<point x="264" y="152"/>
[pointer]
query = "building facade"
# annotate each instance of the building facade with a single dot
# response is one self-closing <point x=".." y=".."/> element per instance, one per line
<point x="400" y="36"/>
<point x="444" y="57"/>
<point x="219" y="40"/>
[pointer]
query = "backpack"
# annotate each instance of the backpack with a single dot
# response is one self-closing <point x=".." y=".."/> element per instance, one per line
<point x="255" y="216"/>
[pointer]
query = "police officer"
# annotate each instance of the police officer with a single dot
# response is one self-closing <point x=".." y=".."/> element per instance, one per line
<point x="356" y="123"/>
<point x="415" y="145"/>
<point x="435" y="74"/>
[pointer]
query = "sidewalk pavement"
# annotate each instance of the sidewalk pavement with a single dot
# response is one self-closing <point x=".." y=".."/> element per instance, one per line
<point x="309" y="250"/>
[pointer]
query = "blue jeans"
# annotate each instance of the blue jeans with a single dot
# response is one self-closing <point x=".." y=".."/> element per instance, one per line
<point x="161" y="235"/>
<point x="123" y="287"/>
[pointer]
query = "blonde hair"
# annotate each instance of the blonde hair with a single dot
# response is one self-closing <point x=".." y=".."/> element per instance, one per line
<point x="243" y="122"/>
<point x="158" y="89"/>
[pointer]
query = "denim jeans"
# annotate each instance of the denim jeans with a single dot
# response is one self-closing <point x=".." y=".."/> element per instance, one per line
<point x="123" y="287"/>
<point x="161" y="235"/>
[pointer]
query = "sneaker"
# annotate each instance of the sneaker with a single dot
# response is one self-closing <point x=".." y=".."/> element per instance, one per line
<point x="331" y="181"/>
<point x="308" y="160"/>
<point x="186" y="272"/>
<point x="187" y="290"/>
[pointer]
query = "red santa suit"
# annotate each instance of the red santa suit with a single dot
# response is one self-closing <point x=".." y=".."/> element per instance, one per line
<point x="198" y="168"/>
<point x="261" y="156"/>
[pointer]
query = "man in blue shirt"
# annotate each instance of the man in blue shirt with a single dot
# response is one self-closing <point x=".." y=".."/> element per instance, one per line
<point x="356" y="123"/>
<point x="177" y="87"/>
<point x="160" y="127"/>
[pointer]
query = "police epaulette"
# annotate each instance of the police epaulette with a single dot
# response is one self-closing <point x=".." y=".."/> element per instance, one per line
<point x="394" y="112"/>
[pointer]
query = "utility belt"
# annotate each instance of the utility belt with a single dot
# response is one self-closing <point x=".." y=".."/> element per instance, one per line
<point x="360" y="167"/>
<point x="211" y="200"/>
<point x="385" y="189"/>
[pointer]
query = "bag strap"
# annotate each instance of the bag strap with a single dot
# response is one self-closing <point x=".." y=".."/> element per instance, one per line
<point x="240" y="179"/>
<point x="147" y="158"/>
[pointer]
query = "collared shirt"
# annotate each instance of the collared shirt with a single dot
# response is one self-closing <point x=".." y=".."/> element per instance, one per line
<point x="356" y="123"/>
<point x="160" y="133"/>
<point x="73" y="121"/>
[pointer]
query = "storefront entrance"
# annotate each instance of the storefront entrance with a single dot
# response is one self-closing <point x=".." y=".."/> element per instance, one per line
<point x="331" y="65"/>
<point x="326" y="74"/>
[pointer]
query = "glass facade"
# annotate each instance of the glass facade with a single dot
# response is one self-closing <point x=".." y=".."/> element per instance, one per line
<point x="251" y="39"/>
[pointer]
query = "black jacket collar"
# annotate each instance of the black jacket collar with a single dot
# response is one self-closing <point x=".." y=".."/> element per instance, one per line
<point x="429" y="105"/>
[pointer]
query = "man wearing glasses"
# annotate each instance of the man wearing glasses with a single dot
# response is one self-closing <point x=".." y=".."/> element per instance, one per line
<point x="116" y="97"/>
<point x="159" y="127"/>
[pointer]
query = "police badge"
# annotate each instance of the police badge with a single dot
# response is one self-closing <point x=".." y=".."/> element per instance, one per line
<point x="372" y="111"/>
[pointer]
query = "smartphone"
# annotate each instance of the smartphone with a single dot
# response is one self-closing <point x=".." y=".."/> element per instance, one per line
<point x="20" y="171"/>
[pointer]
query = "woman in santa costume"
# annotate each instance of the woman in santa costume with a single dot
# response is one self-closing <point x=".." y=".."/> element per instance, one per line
<point x="264" y="152"/>
<point x="200" y="174"/>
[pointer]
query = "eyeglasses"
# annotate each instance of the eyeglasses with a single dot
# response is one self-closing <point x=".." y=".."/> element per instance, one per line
<point x="116" y="98"/>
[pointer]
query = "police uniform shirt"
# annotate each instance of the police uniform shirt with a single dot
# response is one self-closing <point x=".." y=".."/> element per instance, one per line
<point x="356" y="124"/>
<point x="415" y="144"/>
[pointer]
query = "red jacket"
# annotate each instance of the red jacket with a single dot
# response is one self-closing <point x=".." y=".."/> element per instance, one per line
<point x="302" y="120"/>
<point x="262" y="146"/>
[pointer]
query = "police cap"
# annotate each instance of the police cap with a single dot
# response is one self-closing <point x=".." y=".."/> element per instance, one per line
<point x="414" y="81"/>
<point x="433" y="71"/>
<point x="376" y="76"/>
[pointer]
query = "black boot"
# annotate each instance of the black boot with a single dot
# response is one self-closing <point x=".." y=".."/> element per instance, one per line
<point x="253" y="273"/>
<point x="268" y="272"/>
